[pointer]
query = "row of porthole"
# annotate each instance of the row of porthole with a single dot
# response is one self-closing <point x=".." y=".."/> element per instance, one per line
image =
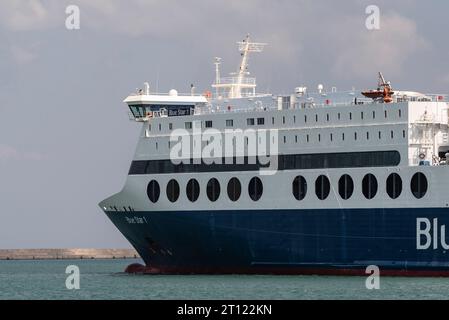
<point x="213" y="190"/>
<point x="418" y="186"/>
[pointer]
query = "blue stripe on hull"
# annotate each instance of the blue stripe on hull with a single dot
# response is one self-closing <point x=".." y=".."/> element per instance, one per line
<point x="283" y="239"/>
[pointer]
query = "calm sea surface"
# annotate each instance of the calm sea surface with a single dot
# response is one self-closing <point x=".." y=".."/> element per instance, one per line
<point x="106" y="280"/>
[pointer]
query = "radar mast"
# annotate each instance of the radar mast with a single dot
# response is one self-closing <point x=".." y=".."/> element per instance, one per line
<point x="238" y="85"/>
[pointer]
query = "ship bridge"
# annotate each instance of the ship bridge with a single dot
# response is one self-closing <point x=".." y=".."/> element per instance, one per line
<point x="144" y="105"/>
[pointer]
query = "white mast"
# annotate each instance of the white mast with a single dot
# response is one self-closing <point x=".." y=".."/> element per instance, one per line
<point x="238" y="84"/>
<point x="246" y="46"/>
<point x="217" y="75"/>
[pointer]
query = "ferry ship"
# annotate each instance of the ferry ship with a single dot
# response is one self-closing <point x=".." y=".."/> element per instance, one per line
<point x="357" y="178"/>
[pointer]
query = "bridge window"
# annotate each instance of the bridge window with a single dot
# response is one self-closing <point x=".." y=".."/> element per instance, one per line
<point x="208" y="124"/>
<point x="369" y="186"/>
<point x="229" y="123"/>
<point x="188" y="125"/>
<point x="234" y="189"/>
<point x="173" y="190"/>
<point x="250" y="121"/>
<point x="394" y="186"/>
<point x="193" y="190"/>
<point x="345" y="187"/>
<point x="153" y="191"/>
<point x="419" y="185"/>
<point x="255" y="189"/>
<point x="322" y="187"/>
<point x="260" y="121"/>
<point x="170" y="126"/>
<point x="213" y="189"/>
<point x="299" y="187"/>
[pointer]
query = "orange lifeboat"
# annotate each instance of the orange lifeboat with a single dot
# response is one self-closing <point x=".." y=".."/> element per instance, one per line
<point x="383" y="91"/>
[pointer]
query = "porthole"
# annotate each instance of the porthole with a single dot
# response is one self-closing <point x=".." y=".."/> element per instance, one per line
<point x="299" y="187"/>
<point x="369" y="186"/>
<point x="394" y="186"/>
<point x="173" y="190"/>
<point x="255" y="189"/>
<point x="193" y="190"/>
<point x="419" y="185"/>
<point x="153" y="191"/>
<point x="345" y="187"/>
<point x="234" y="189"/>
<point x="213" y="189"/>
<point x="322" y="187"/>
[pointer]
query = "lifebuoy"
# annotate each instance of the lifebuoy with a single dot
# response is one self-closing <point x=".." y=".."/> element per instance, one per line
<point x="208" y="94"/>
<point x="422" y="156"/>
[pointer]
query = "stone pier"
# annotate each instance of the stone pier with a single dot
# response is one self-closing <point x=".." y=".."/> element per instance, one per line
<point x="55" y="254"/>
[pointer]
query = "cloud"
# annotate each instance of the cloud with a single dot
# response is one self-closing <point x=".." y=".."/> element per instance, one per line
<point x="23" y="15"/>
<point x="369" y="51"/>
<point x="10" y="153"/>
<point x="287" y="25"/>
<point x="21" y="55"/>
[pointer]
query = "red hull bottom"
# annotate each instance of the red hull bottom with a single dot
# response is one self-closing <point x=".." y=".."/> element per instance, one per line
<point x="145" y="270"/>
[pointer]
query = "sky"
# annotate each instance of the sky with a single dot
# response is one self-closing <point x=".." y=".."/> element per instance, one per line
<point x="66" y="142"/>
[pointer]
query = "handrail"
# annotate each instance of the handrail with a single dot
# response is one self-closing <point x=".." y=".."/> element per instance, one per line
<point x="165" y="94"/>
<point x="235" y="80"/>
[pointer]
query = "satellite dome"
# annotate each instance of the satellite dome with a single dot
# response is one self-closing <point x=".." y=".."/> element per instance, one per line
<point x="173" y="93"/>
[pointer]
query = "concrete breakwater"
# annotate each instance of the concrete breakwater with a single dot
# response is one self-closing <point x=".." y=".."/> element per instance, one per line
<point x="55" y="254"/>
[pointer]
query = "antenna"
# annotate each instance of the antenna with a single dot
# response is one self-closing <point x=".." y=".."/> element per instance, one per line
<point x="217" y="74"/>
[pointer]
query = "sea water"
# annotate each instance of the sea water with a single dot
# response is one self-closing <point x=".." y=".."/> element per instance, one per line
<point x="104" y="279"/>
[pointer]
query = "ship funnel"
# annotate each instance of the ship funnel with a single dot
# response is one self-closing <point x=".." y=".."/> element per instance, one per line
<point x="146" y="88"/>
